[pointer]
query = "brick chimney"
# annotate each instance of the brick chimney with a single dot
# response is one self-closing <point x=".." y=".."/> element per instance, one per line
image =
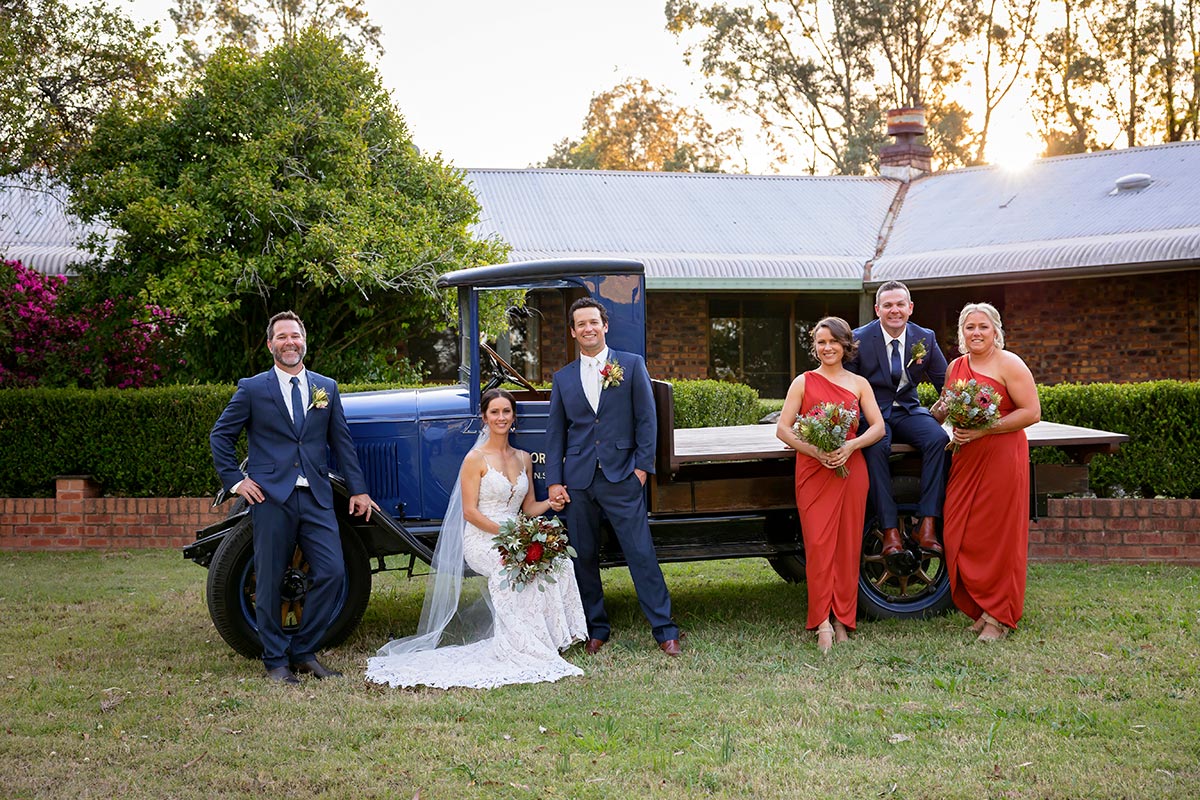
<point x="906" y="159"/>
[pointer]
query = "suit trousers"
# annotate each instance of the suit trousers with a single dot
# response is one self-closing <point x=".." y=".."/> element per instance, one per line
<point x="624" y="503"/>
<point x="278" y="528"/>
<point x="923" y="432"/>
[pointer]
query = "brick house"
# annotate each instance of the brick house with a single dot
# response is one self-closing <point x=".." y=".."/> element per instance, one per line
<point x="1092" y="259"/>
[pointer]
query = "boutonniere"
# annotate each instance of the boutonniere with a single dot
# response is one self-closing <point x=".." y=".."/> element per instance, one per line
<point x="916" y="353"/>
<point x="611" y="374"/>
<point x="320" y="397"/>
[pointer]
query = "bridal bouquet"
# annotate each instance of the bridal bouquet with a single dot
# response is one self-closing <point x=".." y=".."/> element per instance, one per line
<point x="970" y="405"/>
<point x="529" y="547"/>
<point x="826" y="428"/>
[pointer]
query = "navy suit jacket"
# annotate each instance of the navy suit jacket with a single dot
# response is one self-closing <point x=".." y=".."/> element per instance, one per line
<point x="874" y="363"/>
<point x="276" y="453"/>
<point x="620" y="435"/>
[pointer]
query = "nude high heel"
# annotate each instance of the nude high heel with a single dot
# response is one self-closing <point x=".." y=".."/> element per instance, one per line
<point x="824" y="637"/>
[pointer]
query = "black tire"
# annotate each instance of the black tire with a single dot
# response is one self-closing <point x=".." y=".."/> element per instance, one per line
<point x="231" y="590"/>
<point x="790" y="568"/>
<point x="917" y="591"/>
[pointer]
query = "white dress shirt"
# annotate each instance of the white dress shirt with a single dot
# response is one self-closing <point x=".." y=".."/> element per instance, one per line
<point x="589" y="376"/>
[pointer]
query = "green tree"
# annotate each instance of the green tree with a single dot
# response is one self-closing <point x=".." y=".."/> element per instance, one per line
<point x="60" y="67"/>
<point x="1067" y="74"/>
<point x="803" y="68"/>
<point x="634" y="126"/>
<point x="1174" y="79"/>
<point x="287" y="180"/>
<point x="254" y="25"/>
<point x="1003" y="35"/>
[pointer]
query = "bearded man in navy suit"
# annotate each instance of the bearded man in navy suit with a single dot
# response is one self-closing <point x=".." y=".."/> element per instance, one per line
<point x="292" y="417"/>
<point x="600" y="441"/>
<point x="894" y="355"/>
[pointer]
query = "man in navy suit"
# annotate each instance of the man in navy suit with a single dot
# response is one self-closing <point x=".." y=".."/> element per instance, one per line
<point x="293" y="417"/>
<point x="894" y="355"/>
<point x="600" y="441"/>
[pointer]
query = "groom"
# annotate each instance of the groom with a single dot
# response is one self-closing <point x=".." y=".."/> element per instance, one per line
<point x="292" y="418"/>
<point x="894" y="355"/>
<point x="600" y="441"/>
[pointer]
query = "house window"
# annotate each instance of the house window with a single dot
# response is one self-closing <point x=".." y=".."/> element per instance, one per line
<point x="750" y="342"/>
<point x="765" y="342"/>
<point x="811" y="309"/>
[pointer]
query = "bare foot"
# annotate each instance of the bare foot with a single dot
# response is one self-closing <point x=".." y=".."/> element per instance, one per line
<point x="977" y="625"/>
<point x="824" y="637"/>
<point x="840" y="634"/>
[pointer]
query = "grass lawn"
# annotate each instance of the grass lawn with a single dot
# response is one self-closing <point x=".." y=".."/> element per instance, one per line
<point x="113" y="683"/>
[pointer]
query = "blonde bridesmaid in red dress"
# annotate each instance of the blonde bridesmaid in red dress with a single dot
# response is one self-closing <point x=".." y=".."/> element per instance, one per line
<point x="986" y="522"/>
<point x="831" y="507"/>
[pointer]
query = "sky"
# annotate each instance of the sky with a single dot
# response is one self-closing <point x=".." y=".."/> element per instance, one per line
<point x="498" y="84"/>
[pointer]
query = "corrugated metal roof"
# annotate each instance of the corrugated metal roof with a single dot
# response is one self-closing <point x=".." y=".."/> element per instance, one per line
<point x="692" y="230"/>
<point x="1056" y="214"/>
<point x="35" y="228"/>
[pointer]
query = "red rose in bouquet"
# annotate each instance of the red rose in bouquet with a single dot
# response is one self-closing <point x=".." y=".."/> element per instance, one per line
<point x="530" y="547"/>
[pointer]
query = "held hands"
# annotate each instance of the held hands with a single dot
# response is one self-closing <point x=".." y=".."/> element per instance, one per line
<point x="559" y="497"/>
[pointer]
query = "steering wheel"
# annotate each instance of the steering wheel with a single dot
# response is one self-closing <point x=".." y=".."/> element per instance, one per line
<point x="502" y="368"/>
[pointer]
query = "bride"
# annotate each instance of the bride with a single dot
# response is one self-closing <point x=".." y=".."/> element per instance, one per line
<point x="506" y="636"/>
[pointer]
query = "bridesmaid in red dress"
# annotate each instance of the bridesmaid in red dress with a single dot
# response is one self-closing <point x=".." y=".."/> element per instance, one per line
<point x="986" y="522"/>
<point x="831" y="507"/>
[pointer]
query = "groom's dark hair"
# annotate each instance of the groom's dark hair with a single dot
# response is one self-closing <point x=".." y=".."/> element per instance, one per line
<point x="586" y="302"/>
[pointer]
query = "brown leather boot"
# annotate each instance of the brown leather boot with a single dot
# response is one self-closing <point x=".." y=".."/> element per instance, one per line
<point x="891" y="542"/>
<point x="927" y="536"/>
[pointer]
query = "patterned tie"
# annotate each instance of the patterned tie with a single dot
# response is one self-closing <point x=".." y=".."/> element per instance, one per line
<point x="897" y="369"/>
<point x="297" y="405"/>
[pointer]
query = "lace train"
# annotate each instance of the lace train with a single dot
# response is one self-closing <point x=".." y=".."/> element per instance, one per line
<point x="530" y="626"/>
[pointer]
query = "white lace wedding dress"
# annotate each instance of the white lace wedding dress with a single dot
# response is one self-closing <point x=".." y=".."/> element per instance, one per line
<point x="529" y="627"/>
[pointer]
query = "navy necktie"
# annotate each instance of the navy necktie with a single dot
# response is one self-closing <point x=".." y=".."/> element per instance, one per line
<point x="897" y="369"/>
<point x="297" y="406"/>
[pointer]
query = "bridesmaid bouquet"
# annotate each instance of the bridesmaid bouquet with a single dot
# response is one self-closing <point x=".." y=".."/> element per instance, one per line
<point x="529" y="547"/>
<point x="826" y="428"/>
<point x="970" y="405"/>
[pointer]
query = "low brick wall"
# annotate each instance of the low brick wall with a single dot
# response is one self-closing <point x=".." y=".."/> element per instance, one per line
<point x="77" y="518"/>
<point x="1130" y="530"/>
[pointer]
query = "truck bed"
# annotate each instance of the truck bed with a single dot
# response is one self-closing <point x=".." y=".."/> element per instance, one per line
<point x="758" y="442"/>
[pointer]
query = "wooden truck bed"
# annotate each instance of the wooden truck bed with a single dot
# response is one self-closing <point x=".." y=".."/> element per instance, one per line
<point x="745" y="469"/>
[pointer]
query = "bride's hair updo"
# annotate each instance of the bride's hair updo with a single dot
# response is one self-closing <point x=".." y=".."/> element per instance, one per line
<point x="492" y="394"/>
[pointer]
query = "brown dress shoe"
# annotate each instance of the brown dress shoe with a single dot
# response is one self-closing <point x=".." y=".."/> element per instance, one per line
<point x="593" y="646"/>
<point x="316" y="669"/>
<point x="891" y="542"/>
<point x="282" y="675"/>
<point x="670" y="647"/>
<point x="927" y="536"/>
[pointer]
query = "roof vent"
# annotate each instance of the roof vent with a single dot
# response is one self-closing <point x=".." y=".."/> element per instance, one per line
<point x="1132" y="182"/>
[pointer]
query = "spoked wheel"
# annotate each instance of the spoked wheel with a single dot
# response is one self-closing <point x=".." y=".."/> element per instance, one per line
<point x="231" y="591"/>
<point x="914" y="585"/>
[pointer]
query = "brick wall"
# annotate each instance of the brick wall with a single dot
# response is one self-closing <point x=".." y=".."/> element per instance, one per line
<point x="1134" y="531"/>
<point x="1120" y="329"/>
<point x="76" y="518"/>
<point x="677" y="335"/>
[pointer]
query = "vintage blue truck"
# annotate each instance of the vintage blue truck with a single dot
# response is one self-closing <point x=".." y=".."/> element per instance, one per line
<point x="718" y="492"/>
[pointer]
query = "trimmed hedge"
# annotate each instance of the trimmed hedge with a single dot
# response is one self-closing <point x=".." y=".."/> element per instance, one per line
<point x="1162" y="419"/>
<point x="710" y="404"/>
<point x="135" y="442"/>
<point x="154" y="442"/>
